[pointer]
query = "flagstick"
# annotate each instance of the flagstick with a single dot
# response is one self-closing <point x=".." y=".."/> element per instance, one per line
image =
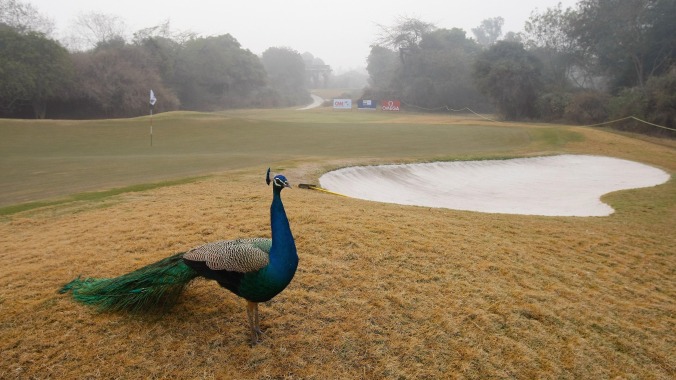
<point x="152" y="105"/>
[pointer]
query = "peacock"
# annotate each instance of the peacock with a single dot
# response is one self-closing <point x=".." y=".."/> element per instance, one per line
<point x="256" y="269"/>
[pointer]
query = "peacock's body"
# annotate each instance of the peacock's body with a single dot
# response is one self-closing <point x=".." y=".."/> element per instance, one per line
<point x="255" y="269"/>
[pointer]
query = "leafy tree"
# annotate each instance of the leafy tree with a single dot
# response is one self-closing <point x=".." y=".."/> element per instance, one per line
<point x="511" y="77"/>
<point x="310" y="59"/>
<point x="286" y="74"/>
<point x="161" y="54"/>
<point x="513" y="37"/>
<point x="434" y="72"/>
<point x="632" y="39"/>
<point x="215" y="72"/>
<point x="382" y="66"/>
<point x="34" y="70"/>
<point x="489" y="31"/>
<point x="624" y="43"/>
<point x="565" y="67"/>
<point x="547" y="35"/>
<point x="162" y="45"/>
<point x="443" y="72"/>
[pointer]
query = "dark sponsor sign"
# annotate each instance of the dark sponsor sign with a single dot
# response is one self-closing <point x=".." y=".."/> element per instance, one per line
<point x="365" y="104"/>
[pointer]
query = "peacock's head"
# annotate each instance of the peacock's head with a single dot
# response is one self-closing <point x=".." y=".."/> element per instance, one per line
<point x="279" y="182"/>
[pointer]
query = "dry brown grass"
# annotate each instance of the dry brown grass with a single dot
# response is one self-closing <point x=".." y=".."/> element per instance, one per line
<point x="382" y="291"/>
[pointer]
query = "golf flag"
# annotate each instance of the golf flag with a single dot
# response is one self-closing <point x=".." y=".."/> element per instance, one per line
<point x="153" y="99"/>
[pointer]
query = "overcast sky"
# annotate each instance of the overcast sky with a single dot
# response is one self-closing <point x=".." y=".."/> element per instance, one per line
<point x="339" y="32"/>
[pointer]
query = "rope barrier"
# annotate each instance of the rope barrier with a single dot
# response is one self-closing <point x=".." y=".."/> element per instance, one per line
<point x="634" y="118"/>
<point x="449" y="109"/>
<point x="496" y="121"/>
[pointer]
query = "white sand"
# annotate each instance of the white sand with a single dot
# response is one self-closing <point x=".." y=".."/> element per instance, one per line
<point x="566" y="185"/>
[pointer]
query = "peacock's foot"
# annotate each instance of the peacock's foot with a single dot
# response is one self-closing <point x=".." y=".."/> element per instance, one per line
<point x="256" y="336"/>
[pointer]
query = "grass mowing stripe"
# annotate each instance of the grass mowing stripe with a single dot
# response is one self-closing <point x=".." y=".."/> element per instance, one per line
<point x="94" y="195"/>
<point x="383" y="290"/>
<point x="46" y="159"/>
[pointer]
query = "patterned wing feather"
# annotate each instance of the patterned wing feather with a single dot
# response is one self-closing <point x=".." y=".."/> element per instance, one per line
<point x="242" y="255"/>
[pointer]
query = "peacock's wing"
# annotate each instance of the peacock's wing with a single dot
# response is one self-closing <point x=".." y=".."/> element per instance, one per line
<point x="241" y="255"/>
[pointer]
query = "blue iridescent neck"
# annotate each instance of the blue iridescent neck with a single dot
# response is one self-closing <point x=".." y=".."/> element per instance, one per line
<point x="283" y="249"/>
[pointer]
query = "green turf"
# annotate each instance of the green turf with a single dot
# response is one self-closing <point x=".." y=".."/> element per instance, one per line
<point x="92" y="196"/>
<point x="44" y="159"/>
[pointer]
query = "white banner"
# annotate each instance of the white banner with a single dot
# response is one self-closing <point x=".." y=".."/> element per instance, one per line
<point x="344" y="104"/>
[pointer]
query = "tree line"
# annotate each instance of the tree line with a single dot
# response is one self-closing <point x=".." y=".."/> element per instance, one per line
<point x="598" y="61"/>
<point x="40" y="78"/>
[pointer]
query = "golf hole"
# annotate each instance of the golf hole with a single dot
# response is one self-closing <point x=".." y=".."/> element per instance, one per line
<point x="564" y="185"/>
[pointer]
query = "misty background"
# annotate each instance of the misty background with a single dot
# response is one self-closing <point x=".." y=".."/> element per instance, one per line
<point x="339" y="32"/>
<point x="578" y="62"/>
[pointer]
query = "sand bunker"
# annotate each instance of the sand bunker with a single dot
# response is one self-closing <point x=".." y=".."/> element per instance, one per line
<point x="566" y="185"/>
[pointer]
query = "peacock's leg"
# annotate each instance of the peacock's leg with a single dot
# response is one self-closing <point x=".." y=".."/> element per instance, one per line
<point x="257" y="322"/>
<point x="251" y="309"/>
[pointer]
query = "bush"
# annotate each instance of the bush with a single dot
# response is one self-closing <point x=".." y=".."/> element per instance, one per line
<point x="662" y="99"/>
<point x="655" y="104"/>
<point x="588" y="107"/>
<point x="552" y="106"/>
<point x="629" y="102"/>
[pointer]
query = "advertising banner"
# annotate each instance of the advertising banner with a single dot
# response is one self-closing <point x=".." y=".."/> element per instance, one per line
<point x="343" y="104"/>
<point x="365" y="104"/>
<point x="390" y="105"/>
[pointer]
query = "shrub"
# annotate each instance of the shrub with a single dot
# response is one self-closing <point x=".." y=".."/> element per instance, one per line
<point x="552" y="106"/>
<point x="662" y="99"/>
<point x="628" y="102"/>
<point x="655" y="104"/>
<point x="588" y="107"/>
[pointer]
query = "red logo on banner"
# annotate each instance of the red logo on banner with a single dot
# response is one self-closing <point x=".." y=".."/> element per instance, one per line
<point x="342" y="103"/>
<point x="390" y="105"/>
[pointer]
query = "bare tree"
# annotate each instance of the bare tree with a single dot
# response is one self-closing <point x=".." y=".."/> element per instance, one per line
<point x="90" y="29"/>
<point x="23" y="17"/>
<point x="404" y="36"/>
<point x="163" y="30"/>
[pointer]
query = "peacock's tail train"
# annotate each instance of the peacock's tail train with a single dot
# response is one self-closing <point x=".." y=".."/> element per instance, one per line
<point x="155" y="285"/>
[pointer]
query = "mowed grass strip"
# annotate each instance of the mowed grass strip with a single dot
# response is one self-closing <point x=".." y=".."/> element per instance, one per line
<point x="46" y="159"/>
<point x="92" y="196"/>
<point x="382" y="290"/>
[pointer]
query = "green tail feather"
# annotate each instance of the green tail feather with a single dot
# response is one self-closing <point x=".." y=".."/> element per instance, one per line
<point x="156" y="285"/>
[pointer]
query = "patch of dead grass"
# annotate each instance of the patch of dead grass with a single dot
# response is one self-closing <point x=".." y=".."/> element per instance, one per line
<point x="381" y="291"/>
